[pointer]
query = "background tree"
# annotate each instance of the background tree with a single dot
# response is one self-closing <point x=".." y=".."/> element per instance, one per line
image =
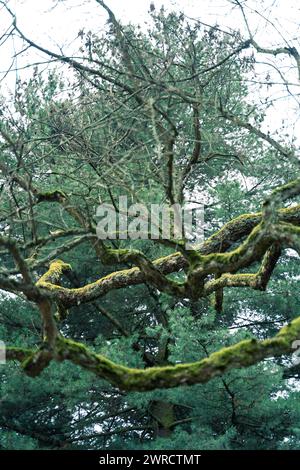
<point x="161" y="116"/>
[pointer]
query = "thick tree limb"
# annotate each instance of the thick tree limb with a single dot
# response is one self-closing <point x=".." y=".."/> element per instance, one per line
<point x="242" y="354"/>
<point x="211" y="257"/>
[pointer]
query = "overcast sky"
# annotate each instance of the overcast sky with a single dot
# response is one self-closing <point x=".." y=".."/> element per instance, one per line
<point x="61" y="19"/>
<point x="56" y="23"/>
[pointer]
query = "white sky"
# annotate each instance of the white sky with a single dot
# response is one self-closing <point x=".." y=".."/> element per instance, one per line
<point x="56" y="23"/>
<point x="62" y="19"/>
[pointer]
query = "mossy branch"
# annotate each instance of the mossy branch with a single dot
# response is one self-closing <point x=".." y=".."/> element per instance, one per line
<point x="257" y="280"/>
<point x="242" y="354"/>
<point x="202" y="263"/>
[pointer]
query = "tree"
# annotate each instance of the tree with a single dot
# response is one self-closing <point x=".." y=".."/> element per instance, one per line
<point x="161" y="116"/>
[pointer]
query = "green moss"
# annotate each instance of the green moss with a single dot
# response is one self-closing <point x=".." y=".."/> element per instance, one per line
<point x="242" y="354"/>
<point x="19" y="354"/>
<point x="290" y="332"/>
<point x="226" y="262"/>
<point x="288" y="188"/>
<point x="52" y="196"/>
<point x="120" y="255"/>
<point x="37" y="362"/>
<point x="56" y="269"/>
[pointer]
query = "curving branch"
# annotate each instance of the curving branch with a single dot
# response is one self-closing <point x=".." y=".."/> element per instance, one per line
<point x="212" y="257"/>
<point x="242" y="354"/>
<point x="261" y="237"/>
<point x="240" y="122"/>
<point x="288" y="50"/>
<point x="257" y="280"/>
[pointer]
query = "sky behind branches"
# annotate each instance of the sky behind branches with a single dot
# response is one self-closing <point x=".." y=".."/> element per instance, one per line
<point x="55" y="24"/>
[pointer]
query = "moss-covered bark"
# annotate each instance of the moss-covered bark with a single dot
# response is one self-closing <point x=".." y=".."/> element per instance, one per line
<point x="265" y="236"/>
<point x="256" y="247"/>
<point x="242" y="354"/>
